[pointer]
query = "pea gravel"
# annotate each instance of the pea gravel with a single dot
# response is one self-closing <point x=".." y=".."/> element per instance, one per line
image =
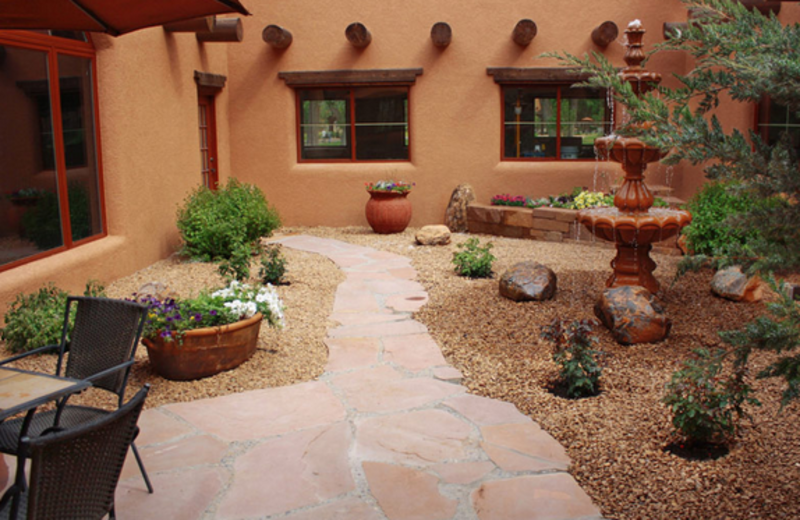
<point x="616" y="440"/>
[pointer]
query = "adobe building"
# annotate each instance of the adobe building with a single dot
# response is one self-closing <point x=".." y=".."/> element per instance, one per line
<point x="309" y="101"/>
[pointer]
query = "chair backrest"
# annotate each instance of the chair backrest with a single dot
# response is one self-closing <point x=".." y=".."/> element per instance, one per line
<point x="105" y="334"/>
<point x="74" y="473"/>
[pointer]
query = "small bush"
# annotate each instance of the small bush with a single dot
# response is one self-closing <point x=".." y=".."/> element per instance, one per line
<point x="214" y="224"/>
<point x="273" y="265"/>
<point x="238" y="265"/>
<point x="712" y="208"/>
<point x="574" y="353"/>
<point x="705" y="406"/>
<point x="473" y="260"/>
<point x="37" y="319"/>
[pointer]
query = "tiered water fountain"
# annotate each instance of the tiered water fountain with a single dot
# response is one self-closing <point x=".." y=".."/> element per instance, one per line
<point x="632" y="224"/>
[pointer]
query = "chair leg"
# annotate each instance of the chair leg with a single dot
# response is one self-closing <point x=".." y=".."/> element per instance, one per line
<point x="141" y="468"/>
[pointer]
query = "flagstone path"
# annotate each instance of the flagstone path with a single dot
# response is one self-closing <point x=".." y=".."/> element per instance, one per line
<point x="386" y="433"/>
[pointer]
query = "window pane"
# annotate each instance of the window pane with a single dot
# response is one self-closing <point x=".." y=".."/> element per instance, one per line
<point x="77" y="118"/>
<point x="325" y="124"/>
<point x="381" y="123"/>
<point x="781" y="120"/>
<point x="530" y="121"/>
<point x="584" y="118"/>
<point x="30" y="205"/>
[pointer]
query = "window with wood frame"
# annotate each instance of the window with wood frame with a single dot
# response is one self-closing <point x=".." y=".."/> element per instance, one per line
<point x="547" y="117"/>
<point x="49" y="165"/>
<point x="353" y="115"/>
<point x="774" y="119"/>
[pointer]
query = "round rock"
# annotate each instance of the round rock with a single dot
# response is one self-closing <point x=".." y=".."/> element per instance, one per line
<point x="433" y="236"/>
<point x="528" y="281"/>
<point x="633" y="315"/>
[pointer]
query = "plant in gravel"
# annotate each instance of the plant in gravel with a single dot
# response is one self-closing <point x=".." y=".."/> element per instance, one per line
<point x="273" y="265"/>
<point x="237" y="267"/>
<point x="170" y="318"/>
<point x="474" y="260"/>
<point x="217" y="224"/>
<point x="574" y="351"/>
<point x="37" y="319"/>
<point x="707" y="405"/>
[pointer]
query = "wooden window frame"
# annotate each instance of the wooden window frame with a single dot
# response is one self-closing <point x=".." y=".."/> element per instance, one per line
<point x="54" y="46"/>
<point x="350" y="80"/>
<point x="553" y="77"/>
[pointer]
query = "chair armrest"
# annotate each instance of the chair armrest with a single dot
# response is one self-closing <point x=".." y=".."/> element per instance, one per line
<point x="110" y="371"/>
<point x="40" y="350"/>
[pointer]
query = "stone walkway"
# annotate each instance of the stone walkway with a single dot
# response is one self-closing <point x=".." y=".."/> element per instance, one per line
<point x="386" y="433"/>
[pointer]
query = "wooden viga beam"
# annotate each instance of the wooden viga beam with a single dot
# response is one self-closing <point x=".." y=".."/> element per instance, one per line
<point x="441" y="34"/>
<point x="524" y="32"/>
<point x="225" y="30"/>
<point x="204" y="24"/>
<point x="358" y="35"/>
<point x="276" y="36"/>
<point x="605" y="33"/>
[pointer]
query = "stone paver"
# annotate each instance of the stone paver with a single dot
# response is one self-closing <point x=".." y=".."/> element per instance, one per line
<point x="387" y="433"/>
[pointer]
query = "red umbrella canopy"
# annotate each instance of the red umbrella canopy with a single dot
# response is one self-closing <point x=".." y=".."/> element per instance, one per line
<point x="110" y="16"/>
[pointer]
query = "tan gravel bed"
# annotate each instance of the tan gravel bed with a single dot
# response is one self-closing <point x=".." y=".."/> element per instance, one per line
<point x="615" y="440"/>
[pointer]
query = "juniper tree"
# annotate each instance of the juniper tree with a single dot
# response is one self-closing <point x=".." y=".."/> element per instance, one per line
<point x="740" y="56"/>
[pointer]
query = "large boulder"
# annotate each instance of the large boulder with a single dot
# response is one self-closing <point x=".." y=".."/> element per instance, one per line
<point x="632" y="314"/>
<point x="734" y="285"/>
<point x="455" y="217"/>
<point x="528" y="281"/>
<point x="433" y="236"/>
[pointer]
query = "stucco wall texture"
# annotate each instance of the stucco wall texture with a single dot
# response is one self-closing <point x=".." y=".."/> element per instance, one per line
<point x="149" y="125"/>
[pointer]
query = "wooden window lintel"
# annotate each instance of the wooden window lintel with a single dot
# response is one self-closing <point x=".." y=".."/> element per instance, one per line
<point x="208" y="80"/>
<point x="351" y="77"/>
<point x="506" y="75"/>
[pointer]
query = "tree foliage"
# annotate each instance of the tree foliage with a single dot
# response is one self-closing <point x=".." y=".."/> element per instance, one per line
<point x="739" y="55"/>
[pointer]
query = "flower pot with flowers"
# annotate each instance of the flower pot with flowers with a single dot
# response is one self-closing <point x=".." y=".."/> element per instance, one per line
<point x="215" y="331"/>
<point x="388" y="208"/>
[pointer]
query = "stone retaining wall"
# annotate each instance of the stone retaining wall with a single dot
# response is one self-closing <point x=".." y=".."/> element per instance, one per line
<point x="550" y="224"/>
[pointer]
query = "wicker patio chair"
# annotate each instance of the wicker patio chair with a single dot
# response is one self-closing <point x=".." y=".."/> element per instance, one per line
<point x="101" y="349"/>
<point x="74" y="472"/>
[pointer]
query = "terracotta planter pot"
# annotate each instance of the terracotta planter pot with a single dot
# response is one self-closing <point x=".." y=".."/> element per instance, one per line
<point x="205" y="352"/>
<point x="388" y="211"/>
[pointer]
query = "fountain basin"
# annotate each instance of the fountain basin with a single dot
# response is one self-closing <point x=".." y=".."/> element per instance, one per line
<point x="627" y="150"/>
<point x="614" y="225"/>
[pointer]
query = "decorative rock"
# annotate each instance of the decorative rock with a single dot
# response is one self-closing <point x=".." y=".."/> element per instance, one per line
<point x="433" y="236"/>
<point x="455" y="217"/>
<point x="633" y="315"/>
<point x="734" y="285"/>
<point x="528" y="281"/>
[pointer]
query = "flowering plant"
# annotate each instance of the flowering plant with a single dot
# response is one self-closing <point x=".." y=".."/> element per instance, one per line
<point x="170" y="318"/>
<point x="592" y="199"/>
<point x="508" y="200"/>
<point x="397" y="187"/>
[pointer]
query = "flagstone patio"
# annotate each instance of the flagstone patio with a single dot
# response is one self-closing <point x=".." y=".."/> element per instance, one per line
<point x="387" y="432"/>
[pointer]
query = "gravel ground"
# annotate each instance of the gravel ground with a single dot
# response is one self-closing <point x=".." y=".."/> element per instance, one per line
<point x="616" y="440"/>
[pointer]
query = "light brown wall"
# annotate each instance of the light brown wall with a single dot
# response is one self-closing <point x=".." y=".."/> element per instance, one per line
<point x="150" y="153"/>
<point x="455" y="113"/>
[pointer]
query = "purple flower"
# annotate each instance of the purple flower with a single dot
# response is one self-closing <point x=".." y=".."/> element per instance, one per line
<point x="212" y="312"/>
<point x="198" y="317"/>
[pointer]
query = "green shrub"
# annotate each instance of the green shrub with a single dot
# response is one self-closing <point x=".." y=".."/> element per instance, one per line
<point x="238" y="265"/>
<point x="712" y="209"/>
<point x="273" y="265"/>
<point x="705" y="405"/>
<point x="37" y="319"/>
<point x="574" y="353"/>
<point x="214" y="224"/>
<point x="473" y="260"/>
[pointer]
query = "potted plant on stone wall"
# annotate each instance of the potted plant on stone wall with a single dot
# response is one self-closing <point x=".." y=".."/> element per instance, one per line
<point x="215" y="331"/>
<point x="388" y="208"/>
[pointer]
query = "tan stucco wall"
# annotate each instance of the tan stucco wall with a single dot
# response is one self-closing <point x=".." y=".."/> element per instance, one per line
<point x="148" y="117"/>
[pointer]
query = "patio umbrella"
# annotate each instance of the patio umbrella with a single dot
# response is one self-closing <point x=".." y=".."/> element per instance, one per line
<point x="114" y="17"/>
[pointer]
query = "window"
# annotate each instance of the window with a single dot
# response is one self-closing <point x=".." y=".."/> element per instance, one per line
<point x="553" y="122"/>
<point x="357" y="124"/>
<point x="49" y="168"/>
<point x="352" y="115"/>
<point x="775" y="119"/>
